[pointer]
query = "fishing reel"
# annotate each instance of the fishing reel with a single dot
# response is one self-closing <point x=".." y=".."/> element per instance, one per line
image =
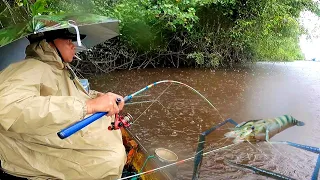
<point x="121" y="121"/>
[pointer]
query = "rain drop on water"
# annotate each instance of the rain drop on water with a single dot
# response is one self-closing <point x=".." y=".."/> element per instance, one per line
<point x="174" y="133"/>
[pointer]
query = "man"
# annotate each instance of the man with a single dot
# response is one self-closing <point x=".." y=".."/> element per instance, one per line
<point x="39" y="96"/>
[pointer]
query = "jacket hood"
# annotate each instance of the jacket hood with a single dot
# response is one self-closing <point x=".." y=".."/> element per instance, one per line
<point x="45" y="53"/>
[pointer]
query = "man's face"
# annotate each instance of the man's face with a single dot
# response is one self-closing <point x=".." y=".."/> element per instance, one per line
<point x="66" y="48"/>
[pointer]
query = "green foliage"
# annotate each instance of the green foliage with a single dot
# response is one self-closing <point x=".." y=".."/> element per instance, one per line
<point x="208" y="32"/>
<point x="272" y="32"/>
<point x="14" y="12"/>
<point x="172" y="15"/>
<point x="205" y="59"/>
<point x="135" y="27"/>
<point x="39" y="7"/>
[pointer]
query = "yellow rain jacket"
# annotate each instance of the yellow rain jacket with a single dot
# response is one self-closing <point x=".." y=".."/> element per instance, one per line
<point x="38" y="99"/>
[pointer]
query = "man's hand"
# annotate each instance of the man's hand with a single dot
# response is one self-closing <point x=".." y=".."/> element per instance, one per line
<point x="100" y="94"/>
<point x="105" y="103"/>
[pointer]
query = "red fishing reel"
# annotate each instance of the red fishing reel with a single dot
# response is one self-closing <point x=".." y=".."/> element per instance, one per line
<point x="121" y="121"/>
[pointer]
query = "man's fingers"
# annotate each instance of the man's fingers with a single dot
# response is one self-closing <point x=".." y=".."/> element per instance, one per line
<point x="100" y="94"/>
<point x="115" y="108"/>
<point x="121" y="103"/>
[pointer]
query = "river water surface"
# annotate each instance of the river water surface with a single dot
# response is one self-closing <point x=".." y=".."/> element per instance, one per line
<point x="255" y="91"/>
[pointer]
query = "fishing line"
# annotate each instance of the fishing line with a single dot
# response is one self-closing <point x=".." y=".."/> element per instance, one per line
<point x="180" y="83"/>
<point x="151" y="104"/>
<point x="211" y="146"/>
<point x="271" y="145"/>
<point x="140" y="102"/>
<point x="178" y="162"/>
<point x="143" y="95"/>
<point x="257" y="149"/>
<point x="136" y="139"/>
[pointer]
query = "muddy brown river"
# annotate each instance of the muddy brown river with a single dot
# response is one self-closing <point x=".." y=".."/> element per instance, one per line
<point x="177" y="115"/>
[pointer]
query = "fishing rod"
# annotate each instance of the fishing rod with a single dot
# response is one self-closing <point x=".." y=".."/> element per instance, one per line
<point x="64" y="133"/>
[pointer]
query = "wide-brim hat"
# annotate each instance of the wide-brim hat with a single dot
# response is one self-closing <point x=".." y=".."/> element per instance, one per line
<point x="92" y="29"/>
<point x="55" y="34"/>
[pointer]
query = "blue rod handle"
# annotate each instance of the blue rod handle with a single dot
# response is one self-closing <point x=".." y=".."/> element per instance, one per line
<point x="85" y="122"/>
<point x="79" y="125"/>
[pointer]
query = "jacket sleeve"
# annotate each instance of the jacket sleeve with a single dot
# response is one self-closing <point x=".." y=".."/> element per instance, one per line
<point x="27" y="103"/>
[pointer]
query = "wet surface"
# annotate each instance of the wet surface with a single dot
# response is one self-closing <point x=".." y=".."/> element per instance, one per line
<point x="255" y="91"/>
